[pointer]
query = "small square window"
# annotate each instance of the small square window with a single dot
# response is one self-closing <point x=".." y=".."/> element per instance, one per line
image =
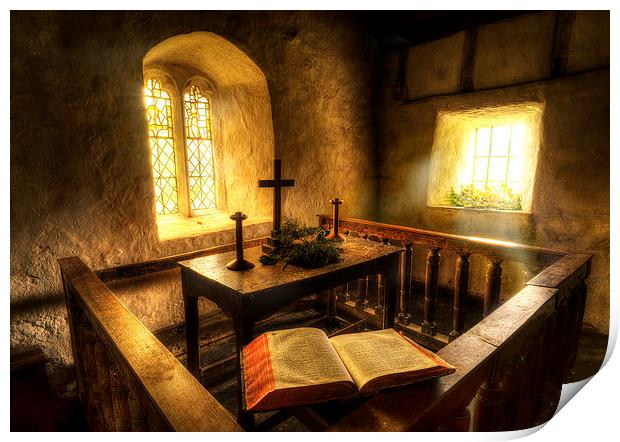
<point x="486" y="159"/>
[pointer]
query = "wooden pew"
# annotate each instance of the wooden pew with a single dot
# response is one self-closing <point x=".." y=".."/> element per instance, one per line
<point x="127" y="379"/>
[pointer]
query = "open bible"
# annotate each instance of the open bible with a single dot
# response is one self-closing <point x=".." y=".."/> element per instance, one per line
<point x="301" y="366"/>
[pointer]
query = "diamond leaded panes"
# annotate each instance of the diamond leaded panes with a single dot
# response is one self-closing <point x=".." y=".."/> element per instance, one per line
<point x="161" y="143"/>
<point x="199" y="142"/>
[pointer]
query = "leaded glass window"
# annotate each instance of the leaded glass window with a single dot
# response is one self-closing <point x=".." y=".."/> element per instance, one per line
<point x="498" y="157"/>
<point x="199" y="142"/>
<point x="161" y="143"/>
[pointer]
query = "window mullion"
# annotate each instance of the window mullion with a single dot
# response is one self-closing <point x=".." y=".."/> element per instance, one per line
<point x="473" y="175"/>
<point x="508" y="159"/>
<point x="486" y="179"/>
<point x="182" y="176"/>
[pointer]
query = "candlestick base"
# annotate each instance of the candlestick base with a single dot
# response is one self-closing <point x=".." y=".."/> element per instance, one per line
<point x="239" y="265"/>
<point x="332" y="235"/>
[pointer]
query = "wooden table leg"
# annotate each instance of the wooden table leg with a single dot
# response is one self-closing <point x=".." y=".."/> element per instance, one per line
<point x="331" y="309"/>
<point x="190" y="302"/>
<point x="391" y="287"/>
<point x="243" y="335"/>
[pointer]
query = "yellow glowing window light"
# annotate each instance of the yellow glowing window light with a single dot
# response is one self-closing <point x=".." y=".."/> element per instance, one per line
<point x="199" y="141"/>
<point x="161" y="143"/>
<point x="498" y="157"/>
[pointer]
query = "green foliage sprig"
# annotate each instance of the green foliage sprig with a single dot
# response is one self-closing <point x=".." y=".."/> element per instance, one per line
<point x="303" y="246"/>
<point x="292" y="229"/>
<point x="489" y="198"/>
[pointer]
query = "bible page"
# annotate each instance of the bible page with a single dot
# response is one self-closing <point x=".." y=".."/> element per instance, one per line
<point x="373" y="354"/>
<point x="304" y="356"/>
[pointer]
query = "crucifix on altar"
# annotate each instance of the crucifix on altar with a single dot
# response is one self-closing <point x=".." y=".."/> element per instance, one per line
<point x="277" y="183"/>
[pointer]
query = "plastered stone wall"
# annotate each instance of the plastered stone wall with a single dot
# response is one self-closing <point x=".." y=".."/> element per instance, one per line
<point x="570" y="201"/>
<point x="514" y="51"/>
<point x="441" y="70"/>
<point x="80" y="169"/>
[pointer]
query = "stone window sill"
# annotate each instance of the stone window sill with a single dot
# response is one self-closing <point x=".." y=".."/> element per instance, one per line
<point x="473" y="209"/>
<point x="171" y="227"/>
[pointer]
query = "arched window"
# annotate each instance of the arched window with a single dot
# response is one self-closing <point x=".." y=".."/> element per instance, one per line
<point x="161" y="142"/>
<point x="183" y="161"/>
<point x="199" y="150"/>
<point x="210" y="134"/>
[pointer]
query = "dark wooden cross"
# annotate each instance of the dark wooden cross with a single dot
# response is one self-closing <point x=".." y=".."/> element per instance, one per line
<point x="334" y="233"/>
<point x="277" y="183"/>
<point x="240" y="263"/>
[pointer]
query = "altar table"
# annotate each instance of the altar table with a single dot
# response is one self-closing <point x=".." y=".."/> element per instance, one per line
<point x="249" y="296"/>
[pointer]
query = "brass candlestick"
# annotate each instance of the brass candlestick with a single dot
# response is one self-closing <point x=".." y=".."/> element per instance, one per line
<point x="240" y="263"/>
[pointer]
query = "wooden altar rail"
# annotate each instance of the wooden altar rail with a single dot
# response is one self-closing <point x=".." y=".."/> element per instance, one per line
<point x="168" y="262"/>
<point x="127" y="379"/>
<point x="513" y="363"/>
<point x="363" y="298"/>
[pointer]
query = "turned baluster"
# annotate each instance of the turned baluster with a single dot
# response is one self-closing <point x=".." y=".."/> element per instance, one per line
<point x="380" y="293"/>
<point x="351" y="293"/>
<point x="430" y="291"/>
<point x="346" y="295"/>
<point x="459" y="420"/>
<point x="493" y="285"/>
<point x="576" y="307"/>
<point x="381" y="286"/>
<point x="103" y="377"/>
<point x="561" y="346"/>
<point x="511" y="386"/>
<point x="137" y="416"/>
<point x="120" y="406"/>
<point x="553" y="345"/>
<point x="375" y="283"/>
<point x="489" y="402"/>
<point x="461" y="283"/>
<point x="404" y="317"/>
<point x="531" y="384"/>
<point x="93" y="410"/>
<point x="362" y="294"/>
<point x="362" y="289"/>
<point x="331" y="307"/>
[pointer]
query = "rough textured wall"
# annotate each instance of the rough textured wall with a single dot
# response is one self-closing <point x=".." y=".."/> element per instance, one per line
<point x="324" y="146"/>
<point x="80" y="170"/>
<point x="570" y="204"/>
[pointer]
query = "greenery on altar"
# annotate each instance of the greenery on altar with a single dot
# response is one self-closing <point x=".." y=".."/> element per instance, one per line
<point x="304" y="246"/>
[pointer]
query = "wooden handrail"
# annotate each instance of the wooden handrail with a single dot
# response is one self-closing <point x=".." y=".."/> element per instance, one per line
<point x="495" y="252"/>
<point x="167" y="262"/>
<point x="540" y="311"/>
<point x="483" y="246"/>
<point x="162" y="393"/>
